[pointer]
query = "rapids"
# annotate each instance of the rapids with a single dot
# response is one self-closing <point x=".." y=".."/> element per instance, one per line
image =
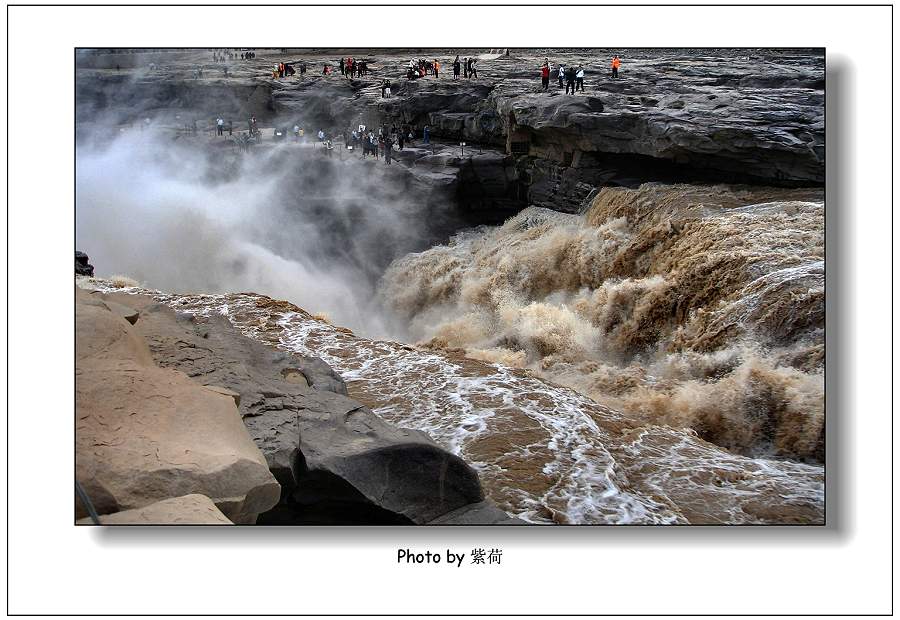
<point x="544" y="452"/>
<point x="695" y="307"/>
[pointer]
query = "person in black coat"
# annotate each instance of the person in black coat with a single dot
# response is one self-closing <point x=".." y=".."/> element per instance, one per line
<point x="570" y="80"/>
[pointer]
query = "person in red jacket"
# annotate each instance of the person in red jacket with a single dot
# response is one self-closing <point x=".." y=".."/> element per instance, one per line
<point x="615" y="66"/>
<point x="545" y="75"/>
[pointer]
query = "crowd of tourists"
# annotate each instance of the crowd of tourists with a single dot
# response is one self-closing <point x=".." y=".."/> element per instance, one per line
<point x="572" y="75"/>
<point x="226" y="55"/>
<point x="381" y="143"/>
<point x="351" y="66"/>
<point x="384" y="142"/>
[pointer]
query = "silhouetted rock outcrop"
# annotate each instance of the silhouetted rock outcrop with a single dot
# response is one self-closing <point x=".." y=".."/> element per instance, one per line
<point x="82" y="266"/>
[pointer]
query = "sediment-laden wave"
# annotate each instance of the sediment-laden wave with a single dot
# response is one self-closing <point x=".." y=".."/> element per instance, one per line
<point x="696" y="307"/>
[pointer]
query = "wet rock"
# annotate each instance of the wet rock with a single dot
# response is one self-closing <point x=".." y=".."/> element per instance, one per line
<point x="185" y="510"/>
<point x="145" y="433"/>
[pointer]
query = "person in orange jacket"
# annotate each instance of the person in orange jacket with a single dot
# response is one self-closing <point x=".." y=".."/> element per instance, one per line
<point x="615" y="66"/>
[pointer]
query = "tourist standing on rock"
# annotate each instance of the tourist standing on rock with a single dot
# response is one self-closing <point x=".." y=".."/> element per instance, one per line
<point x="341" y="63"/>
<point x="437" y="68"/>
<point x="615" y="66"/>
<point x="466" y="67"/>
<point x="400" y="140"/>
<point x="387" y="150"/>
<point x="456" y="68"/>
<point x="473" y="72"/>
<point x="220" y="126"/>
<point x="545" y="75"/>
<point x="579" y="78"/>
<point x="562" y="73"/>
<point x="570" y="80"/>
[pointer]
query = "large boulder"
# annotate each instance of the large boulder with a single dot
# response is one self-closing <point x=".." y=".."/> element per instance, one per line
<point x="191" y="509"/>
<point x="145" y="433"/>
<point x="348" y="456"/>
<point x="336" y="460"/>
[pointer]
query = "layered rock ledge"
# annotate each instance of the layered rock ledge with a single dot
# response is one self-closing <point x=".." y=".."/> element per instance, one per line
<point x="752" y="116"/>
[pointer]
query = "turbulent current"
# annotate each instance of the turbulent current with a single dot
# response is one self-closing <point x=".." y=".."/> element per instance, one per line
<point x="696" y="307"/>
<point x="544" y="453"/>
<point x="655" y="359"/>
